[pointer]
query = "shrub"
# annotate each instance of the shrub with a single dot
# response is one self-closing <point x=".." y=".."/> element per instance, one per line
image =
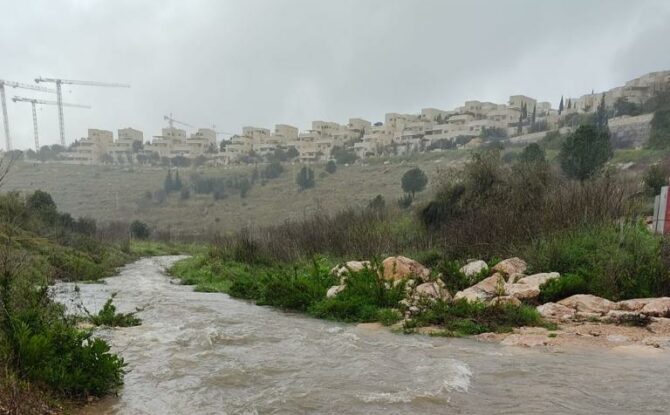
<point x="388" y="316"/>
<point x="614" y="261"/>
<point x="185" y="194"/>
<point x="414" y="180"/>
<point x="460" y="318"/>
<point x="405" y="201"/>
<point x="331" y="167"/>
<point x="659" y="136"/>
<point x="585" y="152"/>
<point x="563" y="287"/>
<point x="107" y="316"/>
<point x="365" y="294"/>
<point x="343" y="156"/>
<point x="273" y="170"/>
<point x="139" y="230"/>
<point x="654" y="178"/>
<point x="305" y="178"/>
<point x="66" y="359"/>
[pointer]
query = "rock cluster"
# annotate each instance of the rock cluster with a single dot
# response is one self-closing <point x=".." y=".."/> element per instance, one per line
<point x="582" y="307"/>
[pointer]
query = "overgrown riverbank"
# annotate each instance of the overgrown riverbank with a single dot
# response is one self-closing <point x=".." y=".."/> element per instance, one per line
<point x="584" y="236"/>
<point x="47" y="361"/>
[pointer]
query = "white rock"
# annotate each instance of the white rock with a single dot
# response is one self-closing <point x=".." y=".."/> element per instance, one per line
<point x="555" y="311"/>
<point x="432" y="290"/>
<point x="658" y="307"/>
<point x="484" y="290"/>
<point x="586" y="303"/>
<point x="528" y="288"/>
<point x="334" y="290"/>
<point x="473" y="268"/>
<point x="511" y="266"/>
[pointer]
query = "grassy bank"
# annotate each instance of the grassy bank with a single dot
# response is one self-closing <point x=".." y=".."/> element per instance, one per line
<point x="590" y="230"/>
<point x="46" y="361"/>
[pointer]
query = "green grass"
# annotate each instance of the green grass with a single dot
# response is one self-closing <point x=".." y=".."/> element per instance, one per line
<point x="155" y="248"/>
<point x="615" y="261"/>
<point x="463" y="318"/>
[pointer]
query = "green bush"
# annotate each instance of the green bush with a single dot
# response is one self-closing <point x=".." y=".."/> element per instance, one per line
<point x="107" y="316"/>
<point x="365" y="294"/>
<point x="454" y="279"/>
<point x="66" y="359"/>
<point x="461" y="318"/>
<point x="615" y="261"/>
<point x="563" y="287"/>
<point x="388" y="316"/>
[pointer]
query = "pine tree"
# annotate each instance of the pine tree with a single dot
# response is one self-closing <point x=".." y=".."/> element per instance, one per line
<point x="569" y="104"/>
<point x="560" y="106"/>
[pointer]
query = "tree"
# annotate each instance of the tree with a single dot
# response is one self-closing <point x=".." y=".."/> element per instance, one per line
<point x="532" y="117"/>
<point x="414" y="180"/>
<point x="342" y="155"/>
<point x="244" y="185"/>
<point x="331" y="167"/>
<point x="532" y="153"/>
<point x="519" y="127"/>
<point x="659" y="136"/>
<point x="292" y="153"/>
<point x="137" y="146"/>
<point x="655" y="178"/>
<point x="168" y="183"/>
<point x="305" y="178"/>
<point x="273" y="170"/>
<point x="139" y="230"/>
<point x="585" y="152"/>
<point x="177" y="184"/>
<point x="377" y="203"/>
<point x="185" y="193"/>
<point x="560" y="106"/>
<point x="601" y="114"/>
<point x="624" y="107"/>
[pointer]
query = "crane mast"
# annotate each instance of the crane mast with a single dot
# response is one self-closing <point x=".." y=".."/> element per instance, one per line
<point x="59" y="95"/>
<point x="33" y="103"/>
<point x="5" y="117"/>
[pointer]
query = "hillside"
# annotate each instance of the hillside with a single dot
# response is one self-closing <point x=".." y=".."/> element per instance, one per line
<point x="112" y="193"/>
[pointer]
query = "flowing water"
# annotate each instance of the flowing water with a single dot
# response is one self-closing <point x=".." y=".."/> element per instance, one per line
<point x="205" y="353"/>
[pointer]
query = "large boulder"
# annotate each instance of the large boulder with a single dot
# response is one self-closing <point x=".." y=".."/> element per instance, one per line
<point x="657" y="307"/>
<point x="432" y="290"/>
<point x="589" y="304"/>
<point x="528" y="288"/>
<point x="334" y="290"/>
<point x="511" y="266"/>
<point x="636" y="304"/>
<point x="473" y="268"/>
<point x="554" y="311"/>
<point x="400" y="267"/>
<point x="484" y="290"/>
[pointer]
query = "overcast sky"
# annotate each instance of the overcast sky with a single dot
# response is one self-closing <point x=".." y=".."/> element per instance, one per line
<point x="231" y="63"/>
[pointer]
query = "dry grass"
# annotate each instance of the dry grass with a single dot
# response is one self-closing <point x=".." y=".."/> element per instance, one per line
<point x="117" y="194"/>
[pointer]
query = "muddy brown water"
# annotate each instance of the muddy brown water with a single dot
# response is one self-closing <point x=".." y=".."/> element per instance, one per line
<point x="206" y="353"/>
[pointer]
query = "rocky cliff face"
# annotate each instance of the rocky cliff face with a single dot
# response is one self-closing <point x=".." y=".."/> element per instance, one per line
<point x="629" y="131"/>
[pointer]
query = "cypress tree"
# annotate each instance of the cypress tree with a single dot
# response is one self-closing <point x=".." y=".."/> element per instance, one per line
<point x="167" y="185"/>
<point x="560" y="106"/>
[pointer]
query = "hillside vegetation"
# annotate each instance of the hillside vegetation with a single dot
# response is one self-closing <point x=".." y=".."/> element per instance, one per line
<point x="109" y="193"/>
<point x="44" y="357"/>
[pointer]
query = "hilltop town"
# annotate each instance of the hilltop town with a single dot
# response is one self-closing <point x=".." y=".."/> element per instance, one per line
<point x="521" y="120"/>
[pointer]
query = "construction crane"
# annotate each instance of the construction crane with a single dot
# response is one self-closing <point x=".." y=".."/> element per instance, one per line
<point x="34" y="102"/>
<point x="5" y="118"/>
<point x="59" y="96"/>
<point x="171" y="121"/>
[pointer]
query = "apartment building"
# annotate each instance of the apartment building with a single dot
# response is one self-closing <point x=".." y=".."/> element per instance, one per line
<point x="91" y="149"/>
